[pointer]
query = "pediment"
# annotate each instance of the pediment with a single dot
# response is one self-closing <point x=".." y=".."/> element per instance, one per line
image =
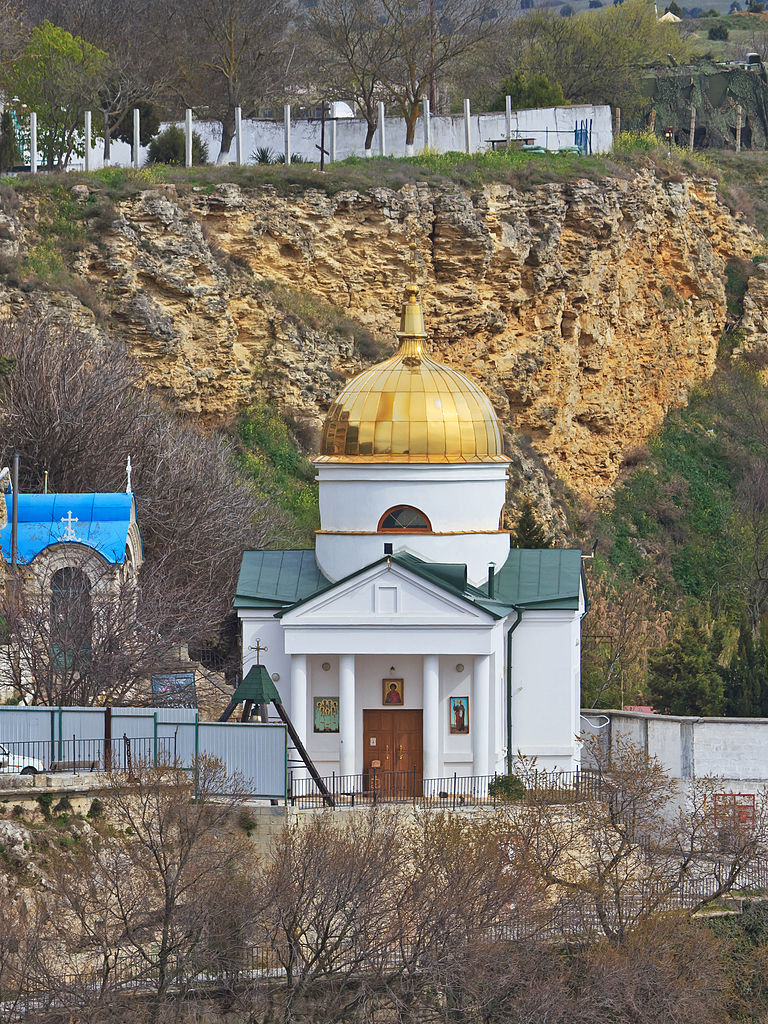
<point x="386" y="595"/>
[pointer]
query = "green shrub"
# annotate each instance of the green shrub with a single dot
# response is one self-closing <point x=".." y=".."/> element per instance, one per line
<point x="44" y="802"/>
<point x="169" y="147"/>
<point x="246" y="821"/>
<point x="718" y="32"/>
<point x="63" y="805"/>
<point x="507" y="787"/>
<point x="636" y="142"/>
<point x="96" y="810"/>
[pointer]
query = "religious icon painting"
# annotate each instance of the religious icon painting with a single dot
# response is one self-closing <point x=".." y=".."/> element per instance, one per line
<point x="326" y="714"/>
<point x="459" y="721"/>
<point x="392" y="695"/>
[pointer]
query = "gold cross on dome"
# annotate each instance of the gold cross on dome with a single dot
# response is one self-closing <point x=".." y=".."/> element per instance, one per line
<point x="259" y="648"/>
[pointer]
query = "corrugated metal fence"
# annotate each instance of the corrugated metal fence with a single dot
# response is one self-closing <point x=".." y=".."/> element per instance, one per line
<point x="257" y="752"/>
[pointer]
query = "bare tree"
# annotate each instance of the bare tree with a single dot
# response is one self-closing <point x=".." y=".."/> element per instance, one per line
<point x="427" y="39"/>
<point x="77" y="406"/>
<point x="355" y="46"/>
<point x="148" y="893"/>
<point x="137" y="71"/>
<point x="617" y="857"/>
<point x="226" y="54"/>
<point x="626" y="620"/>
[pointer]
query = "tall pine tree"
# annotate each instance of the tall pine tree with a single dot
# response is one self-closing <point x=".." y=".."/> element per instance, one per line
<point x="746" y="678"/>
<point x="529" y="533"/>
<point x="685" y="677"/>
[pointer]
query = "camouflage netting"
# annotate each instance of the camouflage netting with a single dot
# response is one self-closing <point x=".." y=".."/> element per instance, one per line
<point x="715" y="90"/>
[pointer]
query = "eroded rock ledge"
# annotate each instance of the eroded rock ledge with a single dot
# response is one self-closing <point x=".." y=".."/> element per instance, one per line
<point x="585" y="309"/>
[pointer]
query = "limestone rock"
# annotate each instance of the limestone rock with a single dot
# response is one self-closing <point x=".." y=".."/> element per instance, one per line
<point x="586" y="309"/>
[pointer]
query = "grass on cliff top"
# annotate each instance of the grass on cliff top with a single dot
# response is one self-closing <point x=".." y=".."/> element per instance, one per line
<point x="512" y="167"/>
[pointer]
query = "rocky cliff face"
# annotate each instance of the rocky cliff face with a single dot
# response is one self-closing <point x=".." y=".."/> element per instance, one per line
<point x="585" y="309"/>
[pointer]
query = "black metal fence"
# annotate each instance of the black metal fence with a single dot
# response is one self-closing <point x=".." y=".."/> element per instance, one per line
<point x="450" y="792"/>
<point x="27" y="757"/>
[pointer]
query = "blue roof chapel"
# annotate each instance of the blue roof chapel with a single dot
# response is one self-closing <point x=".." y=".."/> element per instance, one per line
<point x="97" y="521"/>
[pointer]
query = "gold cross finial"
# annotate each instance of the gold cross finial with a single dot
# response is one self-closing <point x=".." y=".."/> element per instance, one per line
<point x="259" y="648"/>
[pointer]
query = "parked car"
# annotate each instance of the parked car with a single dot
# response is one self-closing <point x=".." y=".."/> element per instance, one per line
<point x="15" y="764"/>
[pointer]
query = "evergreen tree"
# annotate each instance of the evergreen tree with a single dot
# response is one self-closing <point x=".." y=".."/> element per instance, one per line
<point x="9" y="149"/>
<point x="746" y="678"/>
<point x="529" y="533"/>
<point x="685" y="677"/>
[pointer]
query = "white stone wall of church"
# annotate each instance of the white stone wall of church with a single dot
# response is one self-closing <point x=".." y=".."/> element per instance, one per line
<point x="454" y="498"/>
<point x="544" y="676"/>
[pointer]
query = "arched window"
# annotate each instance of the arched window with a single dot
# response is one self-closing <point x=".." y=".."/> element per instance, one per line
<point x="404" y="519"/>
<point x="71" y="620"/>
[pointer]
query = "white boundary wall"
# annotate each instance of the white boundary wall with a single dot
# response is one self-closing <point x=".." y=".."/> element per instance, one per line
<point x="733" y="749"/>
<point x="551" y="127"/>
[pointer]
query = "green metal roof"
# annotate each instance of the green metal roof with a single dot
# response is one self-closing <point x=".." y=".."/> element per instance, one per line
<point x="542" y="578"/>
<point x="257" y="686"/>
<point x="277" y="579"/>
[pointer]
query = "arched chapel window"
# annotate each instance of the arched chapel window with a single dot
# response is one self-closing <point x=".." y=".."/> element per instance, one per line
<point x="71" y="619"/>
<point x="404" y="518"/>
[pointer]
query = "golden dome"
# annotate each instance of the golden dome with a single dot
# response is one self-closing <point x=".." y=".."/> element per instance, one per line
<point x="411" y="408"/>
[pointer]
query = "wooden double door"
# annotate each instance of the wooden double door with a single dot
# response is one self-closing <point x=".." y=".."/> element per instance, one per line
<point x="393" y="741"/>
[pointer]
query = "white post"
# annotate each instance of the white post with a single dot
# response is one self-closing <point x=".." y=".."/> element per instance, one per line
<point x="427" y="133"/>
<point x="287" y="123"/>
<point x="136" y="136"/>
<point x="382" y="131"/>
<point x="239" y="135"/>
<point x="332" y="157"/>
<point x="33" y="142"/>
<point x="299" y="698"/>
<point x="431" y="703"/>
<point x="347" y="714"/>
<point x="87" y="140"/>
<point x="467" y="133"/>
<point x="481" y="687"/>
<point x="508" y="106"/>
<point x="188" y="139"/>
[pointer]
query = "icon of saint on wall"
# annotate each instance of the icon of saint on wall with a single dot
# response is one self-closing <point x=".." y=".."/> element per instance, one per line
<point x="459" y="721"/>
<point x="392" y="692"/>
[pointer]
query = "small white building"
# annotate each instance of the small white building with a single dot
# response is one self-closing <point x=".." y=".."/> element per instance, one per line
<point x="413" y="637"/>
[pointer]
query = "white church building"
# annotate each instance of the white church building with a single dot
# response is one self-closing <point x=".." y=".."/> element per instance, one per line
<point x="413" y="636"/>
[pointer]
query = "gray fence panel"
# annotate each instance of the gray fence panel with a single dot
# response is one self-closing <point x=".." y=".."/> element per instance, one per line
<point x="257" y="752"/>
<point x="19" y="723"/>
<point x="84" y="723"/>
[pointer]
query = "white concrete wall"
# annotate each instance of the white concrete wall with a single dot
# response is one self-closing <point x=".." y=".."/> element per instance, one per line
<point x="733" y="749"/>
<point x="551" y="127"/>
<point x="545" y="689"/>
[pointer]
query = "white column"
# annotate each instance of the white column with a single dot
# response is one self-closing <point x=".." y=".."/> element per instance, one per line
<point x="136" y="136"/>
<point x="467" y="133"/>
<point x="347" y="713"/>
<point x="287" y="125"/>
<point x="33" y="142"/>
<point x="481" y="698"/>
<point x="239" y="135"/>
<point x="508" y="106"/>
<point x="431" y="704"/>
<point x="299" y="695"/>
<point x="382" y="138"/>
<point x="332" y="157"/>
<point x="188" y="138"/>
<point x="87" y="140"/>
<point x="427" y="125"/>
